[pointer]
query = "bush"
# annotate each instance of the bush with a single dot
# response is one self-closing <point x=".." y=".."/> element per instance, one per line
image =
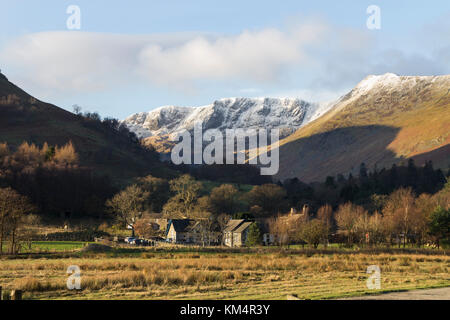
<point x="314" y="232"/>
<point x="439" y="226"/>
<point x="254" y="236"/>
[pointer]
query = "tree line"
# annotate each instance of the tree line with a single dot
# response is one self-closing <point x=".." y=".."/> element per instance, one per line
<point x="52" y="181"/>
<point x="401" y="216"/>
<point x="403" y="219"/>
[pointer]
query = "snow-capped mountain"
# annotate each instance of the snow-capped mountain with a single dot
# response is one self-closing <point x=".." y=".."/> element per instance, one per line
<point x="377" y="86"/>
<point x="385" y="120"/>
<point x="285" y="114"/>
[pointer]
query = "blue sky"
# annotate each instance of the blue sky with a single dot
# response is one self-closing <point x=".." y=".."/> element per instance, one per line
<point x="132" y="56"/>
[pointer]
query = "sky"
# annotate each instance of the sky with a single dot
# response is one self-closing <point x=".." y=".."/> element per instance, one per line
<point x="134" y="56"/>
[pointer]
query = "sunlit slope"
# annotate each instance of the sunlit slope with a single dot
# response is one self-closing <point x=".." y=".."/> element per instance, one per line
<point x="24" y="118"/>
<point x="384" y="120"/>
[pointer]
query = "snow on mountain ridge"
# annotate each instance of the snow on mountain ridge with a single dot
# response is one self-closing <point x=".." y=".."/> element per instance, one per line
<point x="374" y="86"/>
<point x="389" y="81"/>
<point x="287" y="114"/>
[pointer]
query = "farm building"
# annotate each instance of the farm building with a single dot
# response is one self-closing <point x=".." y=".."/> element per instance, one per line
<point x="183" y="231"/>
<point x="235" y="233"/>
<point x="190" y="231"/>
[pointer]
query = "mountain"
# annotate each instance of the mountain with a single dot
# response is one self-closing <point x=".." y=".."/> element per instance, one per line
<point x="160" y="126"/>
<point x="384" y="120"/>
<point x="102" y="148"/>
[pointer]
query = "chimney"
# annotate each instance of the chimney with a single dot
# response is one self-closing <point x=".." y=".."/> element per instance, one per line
<point x="306" y="212"/>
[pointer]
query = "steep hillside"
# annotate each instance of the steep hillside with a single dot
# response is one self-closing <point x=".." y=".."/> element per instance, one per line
<point x="24" y="118"/>
<point x="384" y="120"/>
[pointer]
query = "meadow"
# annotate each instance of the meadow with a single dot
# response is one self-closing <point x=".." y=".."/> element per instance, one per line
<point x="157" y="273"/>
<point x="51" y="246"/>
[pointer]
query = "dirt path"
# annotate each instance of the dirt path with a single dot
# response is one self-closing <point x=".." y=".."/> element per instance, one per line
<point x="426" y="294"/>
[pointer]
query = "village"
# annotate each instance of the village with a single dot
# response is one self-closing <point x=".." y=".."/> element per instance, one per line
<point x="234" y="233"/>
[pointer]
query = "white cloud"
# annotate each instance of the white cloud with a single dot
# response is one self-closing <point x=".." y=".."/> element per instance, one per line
<point x="257" y="56"/>
<point x="324" y="59"/>
<point x="80" y="61"/>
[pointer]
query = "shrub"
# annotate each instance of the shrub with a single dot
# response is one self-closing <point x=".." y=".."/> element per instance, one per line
<point x="254" y="236"/>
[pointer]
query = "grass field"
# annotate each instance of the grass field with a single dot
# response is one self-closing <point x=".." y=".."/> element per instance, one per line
<point x="51" y="246"/>
<point x="159" y="274"/>
<point x="57" y="246"/>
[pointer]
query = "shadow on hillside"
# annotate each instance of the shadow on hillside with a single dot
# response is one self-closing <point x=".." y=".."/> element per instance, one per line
<point x="440" y="157"/>
<point x="341" y="151"/>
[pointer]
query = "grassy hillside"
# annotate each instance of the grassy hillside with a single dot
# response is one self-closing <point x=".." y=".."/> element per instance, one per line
<point x="386" y="122"/>
<point x="24" y="118"/>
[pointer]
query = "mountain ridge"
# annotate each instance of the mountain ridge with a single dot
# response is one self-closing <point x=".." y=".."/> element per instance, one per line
<point x="24" y="118"/>
<point x="413" y="110"/>
<point x="286" y="114"/>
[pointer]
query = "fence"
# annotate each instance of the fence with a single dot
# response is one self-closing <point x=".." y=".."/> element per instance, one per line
<point x="13" y="295"/>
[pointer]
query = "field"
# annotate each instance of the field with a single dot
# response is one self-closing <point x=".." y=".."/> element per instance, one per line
<point x="51" y="246"/>
<point x="221" y="274"/>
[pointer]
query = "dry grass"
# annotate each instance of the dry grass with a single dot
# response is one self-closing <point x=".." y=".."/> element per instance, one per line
<point x="223" y="276"/>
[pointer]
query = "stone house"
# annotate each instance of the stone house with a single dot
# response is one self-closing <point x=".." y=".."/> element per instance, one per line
<point x="235" y="232"/>
<point x="183" y="231"/>
<point x="188" y="231"/>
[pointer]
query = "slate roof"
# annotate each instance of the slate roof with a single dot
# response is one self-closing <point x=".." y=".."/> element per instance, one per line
<point x="182" y="225"/>
<point x="233" y="224"/>
<point x="243" y="226"/>
<point x="237" y="226"/>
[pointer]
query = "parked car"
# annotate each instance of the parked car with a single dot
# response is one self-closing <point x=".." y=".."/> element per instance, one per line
<point x="129" y="240"/>
<point x="141" y="242"/>
<point x="138" y="242"/>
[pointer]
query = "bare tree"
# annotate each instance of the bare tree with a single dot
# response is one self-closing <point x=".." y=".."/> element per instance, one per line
<point x="222" y="220"/>
<point x="13" y="210"/>
<point x="206" y="222"/>
<point x="187" y="191"/>
<point x="370" y="229"/>
<point x="399" y="209"/>
<point x="129" y="205"/>
<point x="346" y="218"/>
<point x="76" y="109"/>
<point x="424" y="207"/>
<point x="325" y="214"/>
